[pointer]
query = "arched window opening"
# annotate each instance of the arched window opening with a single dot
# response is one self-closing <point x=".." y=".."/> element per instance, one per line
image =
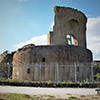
<point x="73" y="24"/>
<point x="71" y="40"/>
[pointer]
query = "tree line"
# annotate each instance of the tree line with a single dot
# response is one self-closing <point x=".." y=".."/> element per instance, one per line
<point x="6" y="59"/>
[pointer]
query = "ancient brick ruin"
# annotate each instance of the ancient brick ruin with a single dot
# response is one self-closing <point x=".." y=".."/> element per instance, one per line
<point x="65" y="58"/>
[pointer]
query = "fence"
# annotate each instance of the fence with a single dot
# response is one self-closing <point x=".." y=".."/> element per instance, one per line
<point x="55" y="72"/>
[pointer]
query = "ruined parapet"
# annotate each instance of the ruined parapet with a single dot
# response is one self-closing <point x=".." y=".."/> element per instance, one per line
<point x="65" y="59"/>
<point x="52" y="54"/>
<point x="44" y="63"/>
<point x="69" y="27"/>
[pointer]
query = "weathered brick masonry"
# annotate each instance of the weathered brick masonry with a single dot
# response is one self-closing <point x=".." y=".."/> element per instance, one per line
<point x="65" y="58"/>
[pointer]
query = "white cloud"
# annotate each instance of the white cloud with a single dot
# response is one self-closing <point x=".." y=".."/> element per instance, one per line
<point x="93" y="36"/>
<point x="38" y="40"/>
<point x="52" y="24"/>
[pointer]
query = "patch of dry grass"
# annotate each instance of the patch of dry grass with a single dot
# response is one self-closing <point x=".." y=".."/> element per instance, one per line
<point x="11" y="96"/>
<point x="90" y="97"/>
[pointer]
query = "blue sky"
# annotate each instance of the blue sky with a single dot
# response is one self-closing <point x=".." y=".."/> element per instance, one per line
<point x="28" y="21"/>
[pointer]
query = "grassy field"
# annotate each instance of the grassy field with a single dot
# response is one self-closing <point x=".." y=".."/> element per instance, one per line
<point x="28" y="97"/>
<point x="44" y="97"/>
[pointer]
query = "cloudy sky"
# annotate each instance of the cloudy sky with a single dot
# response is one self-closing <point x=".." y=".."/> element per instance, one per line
<point x="28" y="21"/>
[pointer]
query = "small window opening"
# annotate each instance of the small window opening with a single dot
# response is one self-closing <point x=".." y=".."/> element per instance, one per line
<point x="77" y="69"/>
<point x="43" y="59"/>
<point x="28" y="71"/>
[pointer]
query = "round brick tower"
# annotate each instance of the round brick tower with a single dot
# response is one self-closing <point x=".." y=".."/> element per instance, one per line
<point x="66" y="58"/>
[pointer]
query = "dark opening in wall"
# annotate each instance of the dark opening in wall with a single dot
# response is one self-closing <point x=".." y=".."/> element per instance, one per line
<point x="28" y="71"/>
<point x="77" y="69"/>
<point x="43" y="59"/>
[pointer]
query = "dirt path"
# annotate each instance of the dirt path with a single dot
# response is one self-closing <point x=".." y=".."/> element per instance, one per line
<point x="57" y="92"/>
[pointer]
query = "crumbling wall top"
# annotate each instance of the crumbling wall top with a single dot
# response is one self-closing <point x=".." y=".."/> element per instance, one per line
<point x="59" y="9"/>
<point x="69" y="27"/>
